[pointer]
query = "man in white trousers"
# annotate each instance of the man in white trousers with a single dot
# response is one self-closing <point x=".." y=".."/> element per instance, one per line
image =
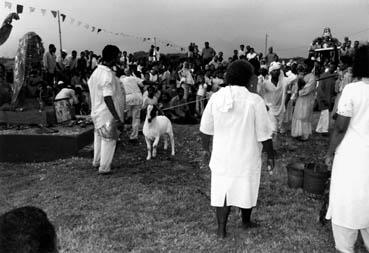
<point x="107" y="109"/>
<point x="134" y="101"/>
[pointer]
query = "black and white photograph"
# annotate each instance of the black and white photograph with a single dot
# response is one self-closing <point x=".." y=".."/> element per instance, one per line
<point x="184" y="126"/>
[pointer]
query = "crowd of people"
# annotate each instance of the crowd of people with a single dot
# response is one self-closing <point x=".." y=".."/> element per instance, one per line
<point x="241" y="125"/>
<point x="247" y="96"/>
<point x="179" y="88"/>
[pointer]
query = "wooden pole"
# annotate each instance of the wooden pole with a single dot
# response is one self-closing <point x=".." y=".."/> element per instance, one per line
<point x="266" y="44"/>
<point x="60" y="36"/>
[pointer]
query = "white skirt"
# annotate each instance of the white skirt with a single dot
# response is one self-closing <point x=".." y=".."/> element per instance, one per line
<point x="349" y="191"/>
<point x="238" y="191"/>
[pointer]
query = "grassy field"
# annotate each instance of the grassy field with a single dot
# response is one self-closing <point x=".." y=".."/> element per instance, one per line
<point x="163" y="205"/>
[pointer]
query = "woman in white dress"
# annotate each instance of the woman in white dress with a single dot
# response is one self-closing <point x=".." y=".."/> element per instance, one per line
<point x="239" y="123"/>
<point x="349" y="192"/>
<point x="302" y="115"/>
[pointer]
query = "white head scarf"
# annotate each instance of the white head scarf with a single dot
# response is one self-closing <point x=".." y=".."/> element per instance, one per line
<point x="274" y="65"/>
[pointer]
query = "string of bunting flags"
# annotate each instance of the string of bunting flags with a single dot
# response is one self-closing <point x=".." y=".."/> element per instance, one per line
<point x="21" y="9"/>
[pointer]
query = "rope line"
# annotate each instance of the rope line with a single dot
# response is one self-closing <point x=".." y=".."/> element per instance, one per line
<point x="180" y="105"/>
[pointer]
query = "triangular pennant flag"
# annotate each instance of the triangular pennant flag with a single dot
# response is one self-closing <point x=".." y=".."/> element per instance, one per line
<point x="79" y="23"/>
<point x="43" y="11"/>
<point x="8" y="5"/>
<point x="19" y="9"/>
<point x="98" y="30"/>
<point x="72" y="20"/>
<point x="54" y="13"/>
<point x="63" y="17"/>
<point x="32" y="9"/>
<point x="87" y="26"/>
<point x="168" y="45"/>
<point x="93" y="29"/>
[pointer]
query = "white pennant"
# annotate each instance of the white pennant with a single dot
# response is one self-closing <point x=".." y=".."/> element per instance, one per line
<point x="8" y="5"/>
<point x="43" y="11"/>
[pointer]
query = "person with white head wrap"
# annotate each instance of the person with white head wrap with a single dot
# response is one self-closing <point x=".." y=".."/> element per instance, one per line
<point x="274" y="93"/>
<point x="274" y="66"/>
<point x="238" y="123"/>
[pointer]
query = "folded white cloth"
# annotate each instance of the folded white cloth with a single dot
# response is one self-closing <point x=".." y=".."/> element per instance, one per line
<point x="227" y="103"/>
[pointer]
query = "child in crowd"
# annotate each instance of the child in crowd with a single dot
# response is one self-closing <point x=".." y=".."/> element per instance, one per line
<point x="191" y="99"/>
<point x="200" y="95"/>
<point x="150" y="99"/>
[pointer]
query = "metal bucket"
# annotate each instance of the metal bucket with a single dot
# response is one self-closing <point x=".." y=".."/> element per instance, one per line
<point x="315" y="178"/>
<point x="295" y="175"/>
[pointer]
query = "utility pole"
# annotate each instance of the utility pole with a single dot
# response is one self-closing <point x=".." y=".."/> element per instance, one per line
<point x="266" y="44"/>
<point x="60" y="36"/>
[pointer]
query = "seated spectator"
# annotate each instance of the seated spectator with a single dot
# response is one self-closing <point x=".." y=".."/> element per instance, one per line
<point x="180" y="114"/>
<point x="27" y="230"/>
<point x="164" y="103"/>
<point x="66" y="92"/>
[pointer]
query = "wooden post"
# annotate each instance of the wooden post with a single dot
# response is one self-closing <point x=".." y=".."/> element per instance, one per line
<point x="60" y="36"/>
<point x="266" y="44"/>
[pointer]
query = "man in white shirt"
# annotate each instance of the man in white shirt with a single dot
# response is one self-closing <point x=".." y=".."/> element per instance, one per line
<point x="241" y="51"/>
<point x="71" y="63"/>
<point x="124" y="59"/>
<point x="107" y="108"/>
<point x="49" y="61"/>
<point x="251" y="54"/>
<point x="132" y="86"/>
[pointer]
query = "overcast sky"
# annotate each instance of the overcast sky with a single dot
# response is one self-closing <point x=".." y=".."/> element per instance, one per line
<point x="291" y="24"/>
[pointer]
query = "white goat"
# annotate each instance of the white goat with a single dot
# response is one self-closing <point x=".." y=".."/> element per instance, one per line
<point x="154" y="127"/>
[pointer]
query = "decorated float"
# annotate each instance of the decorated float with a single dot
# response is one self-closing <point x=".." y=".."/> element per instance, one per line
<point x="325" y="48"/>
